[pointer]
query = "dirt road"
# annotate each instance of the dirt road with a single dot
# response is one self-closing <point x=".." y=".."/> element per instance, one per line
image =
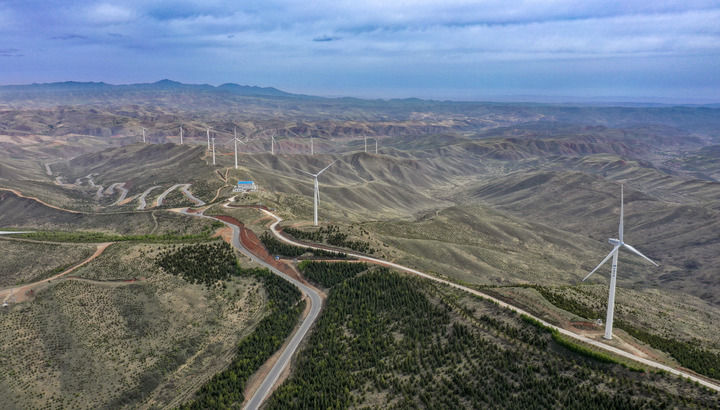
<point x="21" y="293"/>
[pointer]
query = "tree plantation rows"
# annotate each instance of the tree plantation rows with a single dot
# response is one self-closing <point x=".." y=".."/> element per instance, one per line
<point x="688" y="354"/>
<point x="330" y="235"/>
<point x="329" y="274"/>
<point x="225" y="389"/>
<point x="204" y="263"/>
<point x="386" y="340"/>
<point x="276" y="247"/>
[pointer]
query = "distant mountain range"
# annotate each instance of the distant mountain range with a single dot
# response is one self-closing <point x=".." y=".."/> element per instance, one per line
<point x="70" y="86"/>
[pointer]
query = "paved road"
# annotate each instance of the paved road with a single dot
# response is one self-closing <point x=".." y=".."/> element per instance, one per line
<point x="185" y="189"/>
<point x="118" y="186"/>
<point x="284" y="360"/>
<point x="143" y="204"/>
<point x="161" y="198"/>
<point x="566" y="332"/>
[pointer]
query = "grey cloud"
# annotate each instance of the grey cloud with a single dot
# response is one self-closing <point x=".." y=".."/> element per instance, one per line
<point x="325" y="38"/>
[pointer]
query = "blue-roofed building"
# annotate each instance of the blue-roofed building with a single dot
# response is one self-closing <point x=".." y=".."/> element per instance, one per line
<point x="245" y="186"/>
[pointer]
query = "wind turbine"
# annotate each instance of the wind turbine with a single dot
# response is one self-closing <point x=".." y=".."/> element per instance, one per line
<point x="213" y="149"/>
<point x="376" y="145"/>
<point x="617" y="244"/>
<point x="312" y="147"/>
<point x="143" y="130"/>
<point x="181" y="135"/>
<point x="272" y="143"/>
<point x="236" y="140"/>
<point x="366" y="144"/>
<point x="208" y="137"/>
<point x="316" y="193"/>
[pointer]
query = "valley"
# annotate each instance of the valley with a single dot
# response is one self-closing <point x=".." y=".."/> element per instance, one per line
<point x="503" y="203"/>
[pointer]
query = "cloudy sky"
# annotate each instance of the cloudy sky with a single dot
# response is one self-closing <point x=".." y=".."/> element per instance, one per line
<point x="452" y="49"/>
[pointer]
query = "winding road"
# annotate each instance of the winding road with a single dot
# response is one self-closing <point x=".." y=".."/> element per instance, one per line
<point x="582" y="338"/>
<point x="315" y="305"/>
<point x="143" y="204"/>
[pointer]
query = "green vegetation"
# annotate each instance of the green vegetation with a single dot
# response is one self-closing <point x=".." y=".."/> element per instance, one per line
<point x="392" y="341"/>
<point x="329" y="274"/>
<point x="200" y="263"/>
<point x="225" y="389"/>
<point x="330" y="235"/>
<point x="688" y="354"/>
<point x="64" y="236"/>
<point x="276" y="247"/>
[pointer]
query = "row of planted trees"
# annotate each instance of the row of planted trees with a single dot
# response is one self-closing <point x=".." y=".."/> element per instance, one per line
<point x="389" y="340"/>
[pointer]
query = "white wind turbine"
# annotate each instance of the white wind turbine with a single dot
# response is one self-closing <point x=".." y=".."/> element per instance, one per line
<point x="235" y="139"/>
<point x="312" y="147"/>
<point x="181" y="135"/>
<point x="272" y="143"/>
<point x="617" y="244"/>
<point x="316" y="192"/>
<point x="366" y="144"/>
<point x="143" y="130"/>
<point x="208" y="137"/>
<point x="213" y="149"/>
<point x="376" y="144"/>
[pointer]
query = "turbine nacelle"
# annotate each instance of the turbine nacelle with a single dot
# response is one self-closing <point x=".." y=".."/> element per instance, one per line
<point x="615" y="242"/>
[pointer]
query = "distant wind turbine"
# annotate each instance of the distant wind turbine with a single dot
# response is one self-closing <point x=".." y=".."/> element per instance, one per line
<point x="366" y="144"/>
<point x="316" y="192"/>
<point x="143" y="130"/>
<point x="181" y="135"/>
<point x="272" y="143"/>
<point x="617" y="244"/>
<point x="208" y="137"/>
<point x="376" y="143"/>
<point x="213" y="149"/>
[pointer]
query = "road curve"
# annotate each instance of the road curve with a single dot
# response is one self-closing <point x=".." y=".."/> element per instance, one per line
<point x="143" y="204"/>
<point x="593" y="342"/>
<point x="315" y="305"/>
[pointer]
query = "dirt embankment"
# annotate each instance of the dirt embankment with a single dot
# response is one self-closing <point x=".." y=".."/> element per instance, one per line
<point x="252" y="243"/>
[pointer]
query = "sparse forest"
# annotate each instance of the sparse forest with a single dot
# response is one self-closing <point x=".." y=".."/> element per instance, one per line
<point x="329" y="274"/>
<point x="392" y="341"/>
<point x="330" y="235"/>
<point x="276" y="247"/>
<point x="200" y="263"/>
<point x="225" y="389"/>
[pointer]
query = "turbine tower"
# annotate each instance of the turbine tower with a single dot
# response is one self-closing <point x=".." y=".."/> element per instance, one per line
<point x="617" y="244"/>
<point x="213" y="149"/>
<point x="272" y="143"/>
<point x="208" y="137"/>
<point x="235" y="139"/>
<point x="366" y="144"/>
<point x="316" y="192"/>
<point x="143" y="129"/>
<point x="181" y="135"/>
<point x="376" y="145"/>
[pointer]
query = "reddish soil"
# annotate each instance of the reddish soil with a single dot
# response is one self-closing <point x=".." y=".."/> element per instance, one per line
<point x="252" y="243"/>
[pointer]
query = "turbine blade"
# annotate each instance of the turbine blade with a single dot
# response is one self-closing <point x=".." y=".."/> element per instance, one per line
<point x="601" y="263"/>
<point x="323" y="170"/>
<point x="304" y="172"/>
<point x="637" y="252"/>
<point x="620" y="229"/>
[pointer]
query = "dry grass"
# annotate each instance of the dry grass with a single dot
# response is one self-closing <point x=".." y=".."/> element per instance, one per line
<point x="89" y="344"/>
